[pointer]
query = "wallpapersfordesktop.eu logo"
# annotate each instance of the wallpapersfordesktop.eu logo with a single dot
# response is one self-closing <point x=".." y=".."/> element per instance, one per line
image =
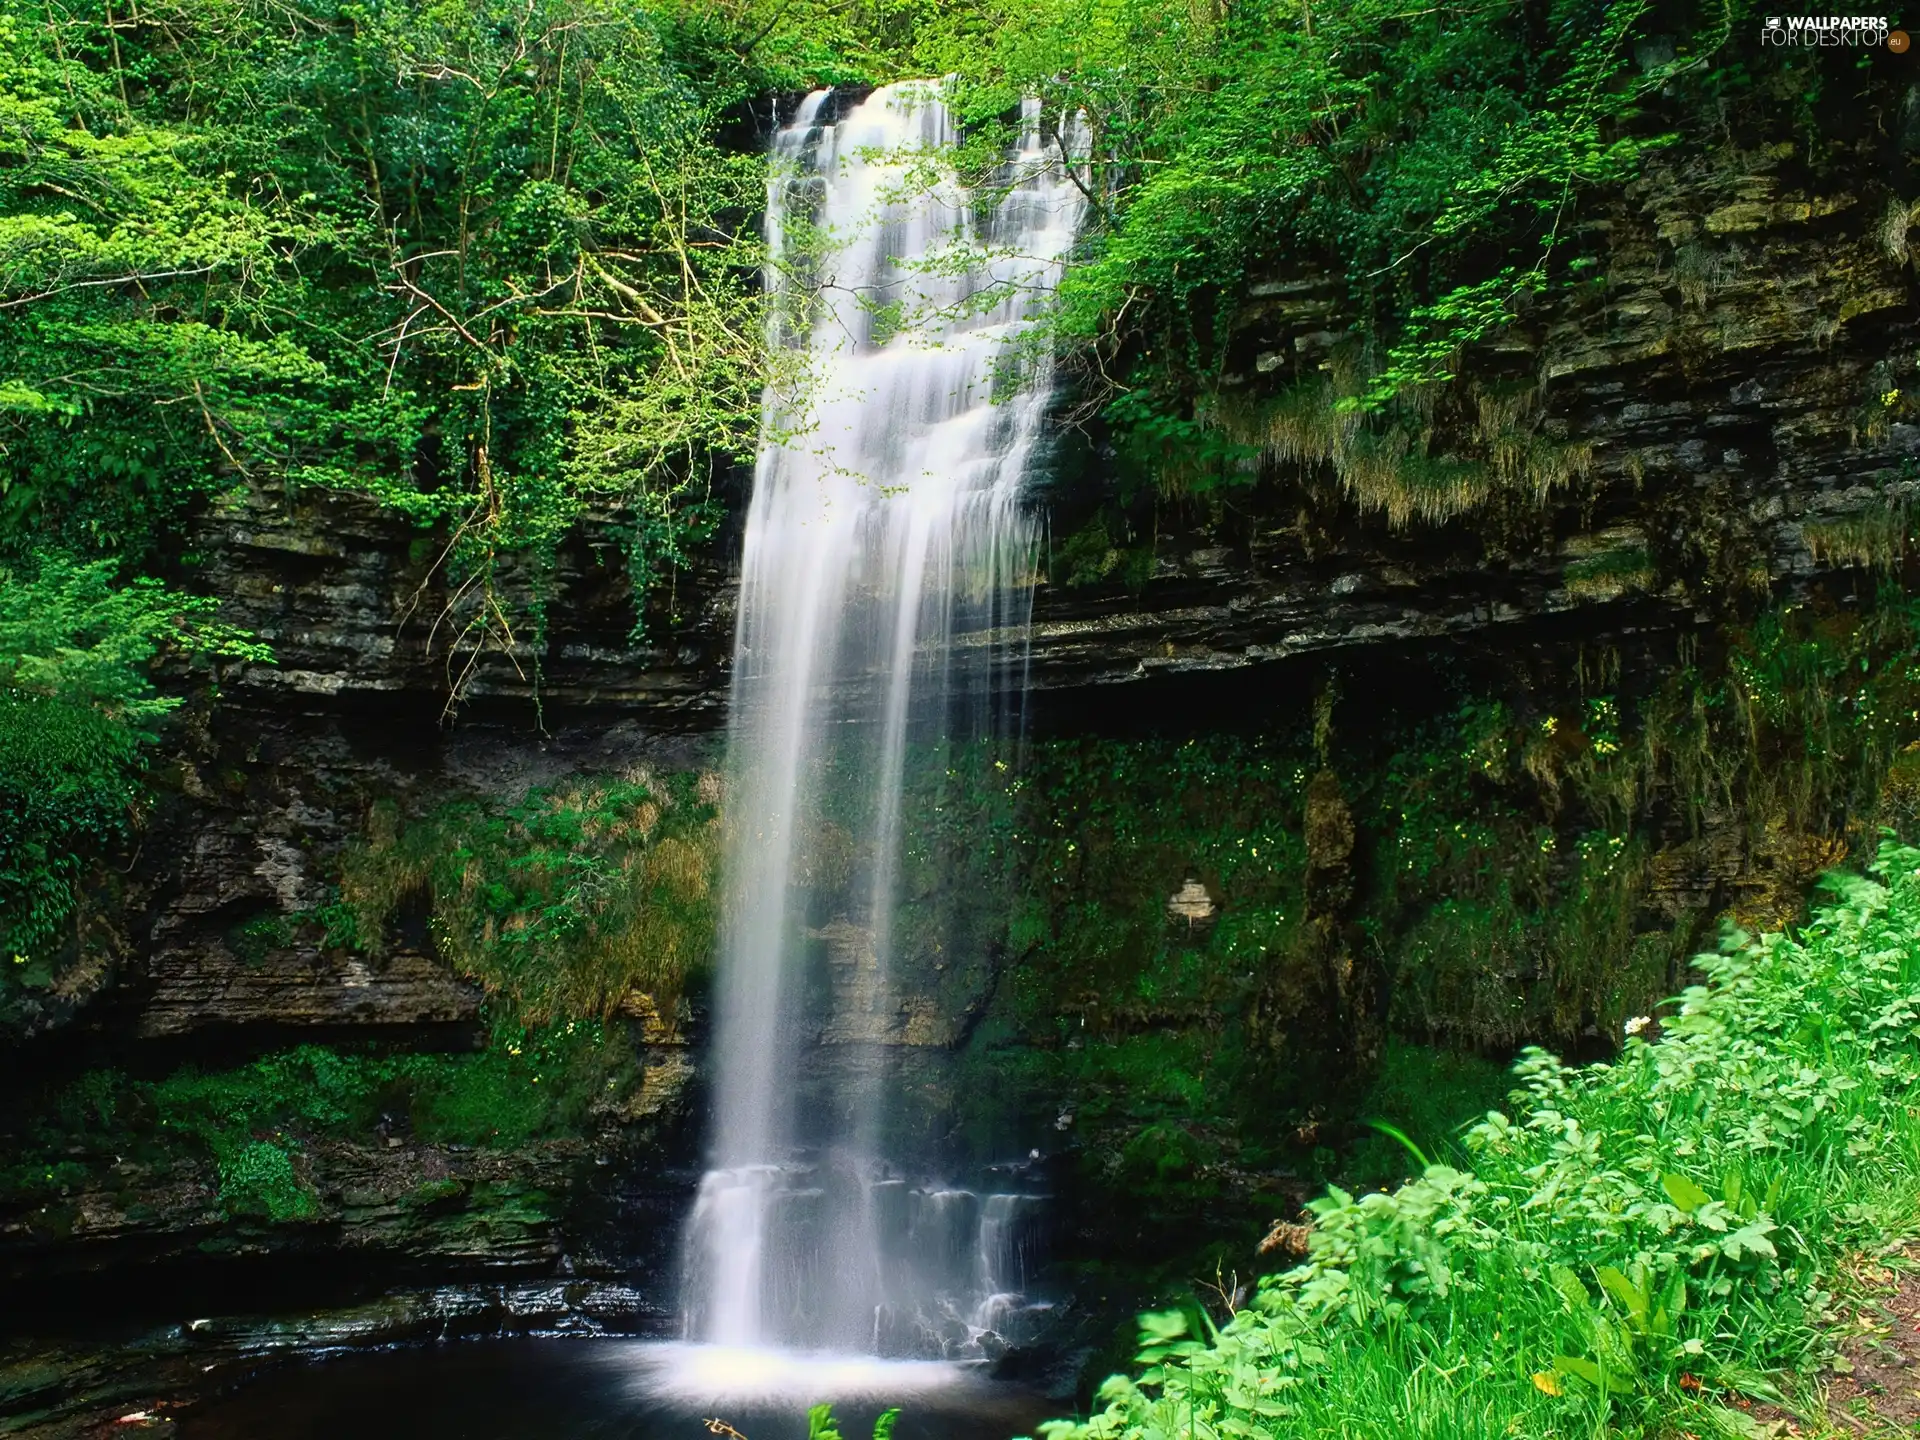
<point x="1854" y="31"/>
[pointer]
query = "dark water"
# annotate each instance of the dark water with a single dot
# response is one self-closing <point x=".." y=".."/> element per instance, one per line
<point x="555" y="1389"/>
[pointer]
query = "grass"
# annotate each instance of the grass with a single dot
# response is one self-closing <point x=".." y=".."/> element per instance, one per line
<point x="1631" y="1248"/>
<point x="1425" y="1093"/>
<point x="563" y="905"/>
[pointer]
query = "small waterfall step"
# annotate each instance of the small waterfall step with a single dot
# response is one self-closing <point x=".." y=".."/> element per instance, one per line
<point x="952" y="1266"/>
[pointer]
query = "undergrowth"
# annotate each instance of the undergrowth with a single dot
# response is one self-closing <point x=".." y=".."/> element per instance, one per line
<point x="254" y="1123"/>
<point x="1631" y="1246"/>
<point x="562" y="905"/>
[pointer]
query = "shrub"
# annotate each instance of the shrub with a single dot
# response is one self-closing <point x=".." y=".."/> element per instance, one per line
<point x="78" y="711"/>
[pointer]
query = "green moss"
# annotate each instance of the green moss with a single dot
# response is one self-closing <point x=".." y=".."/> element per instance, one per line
<point x="258" y="1179"/>
<point x="527" y="1085"/>
<point x="434" y="1192"/>
<point x="563" y="905"/>
<point x="1499" y="871"/>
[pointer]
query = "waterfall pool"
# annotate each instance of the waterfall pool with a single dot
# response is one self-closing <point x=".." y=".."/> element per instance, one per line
<point x="607" y="1389"/>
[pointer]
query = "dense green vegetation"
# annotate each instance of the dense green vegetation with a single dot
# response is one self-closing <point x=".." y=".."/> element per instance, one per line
<point x="252" y="1124"/>
<point x="497" y="267"/>
<point x="568" y="904"/>
<point x="484" y="263"/>
<point x="1626" y="1246"/>
<point x="79" y="717"/>
<point x="1442" y="167"/>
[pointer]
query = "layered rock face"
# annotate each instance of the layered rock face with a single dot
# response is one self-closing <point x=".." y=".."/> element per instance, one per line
<point x="1733" y="381"/>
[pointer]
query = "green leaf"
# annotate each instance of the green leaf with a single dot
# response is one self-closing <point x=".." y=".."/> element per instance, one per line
<point x="1159" y="1327"/>
<point x="1593" y="1374"/>
<point x="1405" y="1141"/>
<point x="1568" y="1284"/>
<point x="1749" y="1239"/>
<point x="1688" y="1196"/>
<point x="1633" y="1298"/>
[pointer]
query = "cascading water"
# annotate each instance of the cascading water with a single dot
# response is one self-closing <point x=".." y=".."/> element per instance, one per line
<point x="885" y="523"/>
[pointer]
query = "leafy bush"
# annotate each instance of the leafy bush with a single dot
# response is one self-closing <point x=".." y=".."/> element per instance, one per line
<point x="78" y="709"/>
<point x="482" y="263"/>
<point x="1636" y="1242"/>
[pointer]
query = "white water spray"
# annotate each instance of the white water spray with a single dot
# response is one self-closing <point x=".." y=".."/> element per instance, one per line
<point x="885" y="521"/>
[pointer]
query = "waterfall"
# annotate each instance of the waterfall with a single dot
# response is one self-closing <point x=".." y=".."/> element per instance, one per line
<point x="885" y="524"/>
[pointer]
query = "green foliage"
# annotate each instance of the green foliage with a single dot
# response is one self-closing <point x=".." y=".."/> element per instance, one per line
<point x="822" y="1426"/>
<point x="1515" y="928"/>
<point x="1430" y="1095"/>
<point x="252" y="1122"/>
<point x="1635" y="1243"/>
<point x="484" y="263"/>
<point x="1096" y="818"/>
<point x="78" y="712"/>
<point x="1437" y="159"/>
<point x="1093" y="554"/>
<point x="258" y="1178"/>
<point x="564" y="905"/>
<point x="67" y="631"/>
<point x="1527" y="843"/>
<point x="1434" y="157"/>
<point x="530" y="1083"/>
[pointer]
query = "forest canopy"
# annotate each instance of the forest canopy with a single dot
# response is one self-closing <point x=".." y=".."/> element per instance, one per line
<point x="487" y="263"/>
